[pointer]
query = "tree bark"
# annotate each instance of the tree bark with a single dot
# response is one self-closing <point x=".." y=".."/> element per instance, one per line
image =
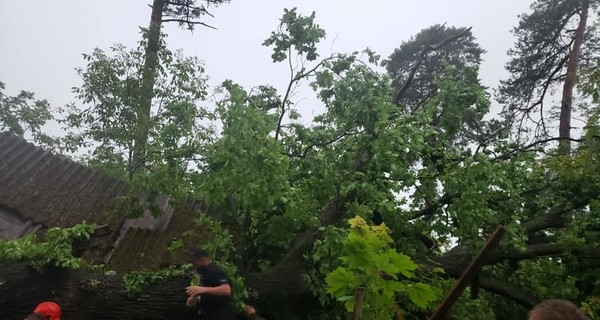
<point x="147" y="87"/>
<point x="89" y="296"/>
<point x="83" y="295"/>
<point x="359" y="298"/>
<point x="566" y="106"/>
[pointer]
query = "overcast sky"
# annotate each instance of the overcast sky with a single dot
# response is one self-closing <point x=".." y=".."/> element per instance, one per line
<point x="41" y="41"/>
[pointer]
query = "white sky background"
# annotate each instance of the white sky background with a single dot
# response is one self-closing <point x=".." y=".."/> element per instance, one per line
<point x="41" y="41"/>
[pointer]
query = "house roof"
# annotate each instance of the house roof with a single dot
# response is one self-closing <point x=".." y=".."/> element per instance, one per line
<point x="52" y="190"/>
<point x="39" y="189"/>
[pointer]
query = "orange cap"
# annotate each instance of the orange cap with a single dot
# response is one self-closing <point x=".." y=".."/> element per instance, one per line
<point x="49" y="310"/>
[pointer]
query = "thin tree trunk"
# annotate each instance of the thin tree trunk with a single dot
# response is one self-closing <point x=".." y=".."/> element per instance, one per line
<point x="359" y="298"/>
<point x="566" y="107"/>
<point x="147" y="87"/>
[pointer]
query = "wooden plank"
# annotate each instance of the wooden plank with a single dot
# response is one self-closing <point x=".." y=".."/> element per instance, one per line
<point x="468" y="275"/>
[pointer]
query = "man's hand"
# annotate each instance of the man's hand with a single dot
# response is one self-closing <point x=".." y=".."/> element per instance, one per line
<point x="191" y="301"/>
<point x="194" y="291"/>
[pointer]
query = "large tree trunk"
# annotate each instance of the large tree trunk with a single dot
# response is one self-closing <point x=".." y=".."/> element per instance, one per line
<point x="147" y="87"/>
<point x="87" y="296"/>
<point x="566" y="106"/>
<point x="90" y="296"/>
<point x="285" y="288"/>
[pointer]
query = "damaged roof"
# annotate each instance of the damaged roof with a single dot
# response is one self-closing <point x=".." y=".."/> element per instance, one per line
<point x="39" y="189"/>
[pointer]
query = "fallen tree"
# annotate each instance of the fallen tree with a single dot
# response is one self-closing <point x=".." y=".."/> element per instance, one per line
<point x="87" y="295"/>
<point x="364" y="121"/>
<point x="90" y="295"/>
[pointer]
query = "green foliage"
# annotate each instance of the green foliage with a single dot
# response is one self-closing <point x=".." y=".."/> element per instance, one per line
<point x="556" y="281"/>
<point x="324" y="259"/>
<point x="240" y="292"/>
<point x="216" y="239"/>
<point x="467" y="308"/>
<point x="104" y="121"/>
<point x="298" y="32"/>
<point x="369" y="263"/>
<point x="591" y="307"/>
<point x="55" y="248"/>
<point x="175" y="246"/>
<point x="245" y="162"/>
<point x="24" y="115"/>
<point x="460" y="53"/>
<point x="220" y="246"/>
<point x="540" y="58"/>
<point x="135" y="280"/>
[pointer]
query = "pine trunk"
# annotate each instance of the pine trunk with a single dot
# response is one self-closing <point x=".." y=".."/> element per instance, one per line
<point x="147" y="87"/>
<point x="566" y="107"/>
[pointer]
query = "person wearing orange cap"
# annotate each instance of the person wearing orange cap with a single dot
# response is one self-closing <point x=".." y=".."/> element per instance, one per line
<point x="45" y="311"/>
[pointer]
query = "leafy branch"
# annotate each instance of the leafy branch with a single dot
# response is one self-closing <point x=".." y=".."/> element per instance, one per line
<point x="55" y="248"/>
<point x="134" y="280"/>
<point x="296" y="34"/>
<point x="372" y="270"/>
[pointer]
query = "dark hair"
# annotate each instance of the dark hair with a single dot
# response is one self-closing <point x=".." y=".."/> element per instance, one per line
<point x="197" y="253"/>
<point x="556" y="310"/>
<point x="35" y="316"/>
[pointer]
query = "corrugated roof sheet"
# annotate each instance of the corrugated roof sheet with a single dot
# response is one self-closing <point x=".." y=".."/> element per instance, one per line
<point x="39" y="188"/>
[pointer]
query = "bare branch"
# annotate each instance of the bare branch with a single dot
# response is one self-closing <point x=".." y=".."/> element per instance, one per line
<point x="337" y="138"/>
<point x="292" y="83"/>
<point x="430" y="209"/>
<point x="182" y="21"/>
<point x="287" y="94"/>
<point x="190" y="7"/>
<point x="510" y="154"/>
<point x="545" y="250"/>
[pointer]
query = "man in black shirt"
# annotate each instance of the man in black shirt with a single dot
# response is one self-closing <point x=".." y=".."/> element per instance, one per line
<point x="214" y="293"/>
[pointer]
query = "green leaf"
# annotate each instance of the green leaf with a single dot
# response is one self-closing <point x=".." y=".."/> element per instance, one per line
<point x="341" y="281"/>
<point x="420" y="294"/>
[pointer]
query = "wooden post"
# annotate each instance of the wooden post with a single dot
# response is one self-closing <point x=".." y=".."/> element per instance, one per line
<point x="398" y="312"/>
<point x="359" y="298"/>
<point x="468" y="275"/>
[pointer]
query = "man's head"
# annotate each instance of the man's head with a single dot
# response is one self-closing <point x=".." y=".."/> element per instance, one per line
<point x="556" y="310"/>
<point x="48" y="311"/>
<point x="199" y="258"/>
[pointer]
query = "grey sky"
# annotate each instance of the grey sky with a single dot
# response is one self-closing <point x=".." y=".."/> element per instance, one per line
<point x="42" y="41"/>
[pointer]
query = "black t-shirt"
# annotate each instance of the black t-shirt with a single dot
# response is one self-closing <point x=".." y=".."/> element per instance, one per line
<point x="213" y="276"/>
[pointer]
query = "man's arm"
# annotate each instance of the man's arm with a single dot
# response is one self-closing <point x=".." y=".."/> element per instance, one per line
<point x="222" y="290"/>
